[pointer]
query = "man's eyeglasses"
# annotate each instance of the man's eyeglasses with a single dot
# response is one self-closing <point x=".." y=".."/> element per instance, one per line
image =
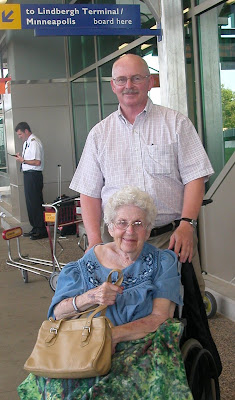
<point x="123" y="225"/>
<point x="135" y="79"/>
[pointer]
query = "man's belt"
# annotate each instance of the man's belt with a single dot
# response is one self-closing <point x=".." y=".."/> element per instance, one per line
<point x="166" y="228"/>
<point x="31" y="171"/>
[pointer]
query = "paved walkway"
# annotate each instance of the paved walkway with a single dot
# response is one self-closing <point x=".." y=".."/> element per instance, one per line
<point x="23" y="307"/>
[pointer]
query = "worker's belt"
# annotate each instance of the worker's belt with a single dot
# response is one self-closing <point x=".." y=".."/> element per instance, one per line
<point x="166" y="228"/>
<point x="32" y="171"/>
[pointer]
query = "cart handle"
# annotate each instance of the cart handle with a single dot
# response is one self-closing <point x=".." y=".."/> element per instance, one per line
<point x="58" y="202"/>
<point x="12" y="233"/>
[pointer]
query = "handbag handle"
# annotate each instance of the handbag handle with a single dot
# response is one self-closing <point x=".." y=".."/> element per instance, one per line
<point x="101" y="308"/>
<point x="119" y="279"/>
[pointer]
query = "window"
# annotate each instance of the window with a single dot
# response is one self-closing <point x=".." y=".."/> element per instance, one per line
<point x="217" y="59"/>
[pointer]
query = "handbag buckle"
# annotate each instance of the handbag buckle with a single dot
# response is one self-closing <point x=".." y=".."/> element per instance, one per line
<point x="54" y="330"/>
<point x="85" y="333"/>
<point x="87" y="327"/>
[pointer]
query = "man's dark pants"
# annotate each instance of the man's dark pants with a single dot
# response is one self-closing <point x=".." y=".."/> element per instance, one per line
<point x="33" y="185"/>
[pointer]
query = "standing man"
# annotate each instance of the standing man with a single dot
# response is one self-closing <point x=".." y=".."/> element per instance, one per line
<point x="149" y="146"/>
<point x="32" y="163"/>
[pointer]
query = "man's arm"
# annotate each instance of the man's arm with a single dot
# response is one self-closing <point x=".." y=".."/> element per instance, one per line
<point x="29" y="162"/>
<point x="91" y="215"/>
<point x="182" y="239"/>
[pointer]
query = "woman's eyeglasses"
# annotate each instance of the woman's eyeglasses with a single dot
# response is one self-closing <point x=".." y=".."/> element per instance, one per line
<point x="135" y="79"/>
<point x="123" y="225"/>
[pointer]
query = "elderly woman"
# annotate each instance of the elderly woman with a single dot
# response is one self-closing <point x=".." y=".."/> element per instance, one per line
<point x="146" y="361"/>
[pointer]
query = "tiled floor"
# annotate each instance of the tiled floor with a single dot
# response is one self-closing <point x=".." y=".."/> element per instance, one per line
<point x="24" y="306"/>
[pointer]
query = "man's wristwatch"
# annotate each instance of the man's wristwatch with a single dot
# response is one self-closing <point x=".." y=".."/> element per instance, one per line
<point x="192" y="222"/>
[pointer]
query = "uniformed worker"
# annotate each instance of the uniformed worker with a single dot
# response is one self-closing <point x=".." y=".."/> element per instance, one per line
<point x="32" y="164"/>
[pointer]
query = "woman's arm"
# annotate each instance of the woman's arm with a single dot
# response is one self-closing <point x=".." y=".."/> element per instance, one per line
<point x="101" y="295"/>
<point x="162" y="310"/>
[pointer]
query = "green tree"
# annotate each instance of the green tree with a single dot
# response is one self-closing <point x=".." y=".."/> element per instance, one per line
<point x="228" y="107"/>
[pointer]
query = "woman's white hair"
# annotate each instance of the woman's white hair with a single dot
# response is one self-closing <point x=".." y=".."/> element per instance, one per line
<point x="130" y="196"/>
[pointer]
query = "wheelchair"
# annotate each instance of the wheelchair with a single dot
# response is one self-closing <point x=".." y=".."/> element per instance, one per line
<point x="199" y="352"/>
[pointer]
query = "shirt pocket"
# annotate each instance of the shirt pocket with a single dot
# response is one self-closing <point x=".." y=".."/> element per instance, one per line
<point x="158" y="159"/>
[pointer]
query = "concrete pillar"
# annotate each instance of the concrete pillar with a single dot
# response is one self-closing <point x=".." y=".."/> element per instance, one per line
<point x="171" y="53"/>
<point x="210" y="59"/>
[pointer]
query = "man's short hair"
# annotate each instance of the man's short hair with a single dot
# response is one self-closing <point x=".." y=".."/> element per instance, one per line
<point x="22" y="126"/>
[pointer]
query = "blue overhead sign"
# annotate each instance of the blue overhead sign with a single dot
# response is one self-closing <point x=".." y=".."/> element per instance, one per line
<point x="81" y="19"/>
<point x="80" y="16"/>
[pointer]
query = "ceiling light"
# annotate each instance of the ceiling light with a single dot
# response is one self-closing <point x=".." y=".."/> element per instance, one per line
<point x="145" y="46"/>
<point x="122" y="45"/>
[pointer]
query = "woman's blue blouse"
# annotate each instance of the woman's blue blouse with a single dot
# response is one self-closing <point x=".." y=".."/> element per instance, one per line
<point x="153" y="275"/>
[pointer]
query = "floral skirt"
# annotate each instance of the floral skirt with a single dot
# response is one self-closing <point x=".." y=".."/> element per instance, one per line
<point x="146" y="369"/>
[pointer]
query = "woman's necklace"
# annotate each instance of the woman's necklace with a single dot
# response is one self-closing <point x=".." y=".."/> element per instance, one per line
<point x="113" y="257"/>
<point x="125" y="258"/>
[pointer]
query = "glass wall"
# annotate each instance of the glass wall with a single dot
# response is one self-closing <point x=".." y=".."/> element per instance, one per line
<point x="85" y="108"/>
<point x="82" y="52"/>
<point x="190" y="74"/>
<point x="109" y="101"/>
<point x="217" y="62"/>
<point x="186" y="4"/>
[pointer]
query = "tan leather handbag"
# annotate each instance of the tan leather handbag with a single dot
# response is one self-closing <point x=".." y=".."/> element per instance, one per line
<point x="74" y="348"/>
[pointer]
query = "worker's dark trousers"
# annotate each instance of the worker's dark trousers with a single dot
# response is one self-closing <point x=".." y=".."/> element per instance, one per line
<point x="33" y="185"/>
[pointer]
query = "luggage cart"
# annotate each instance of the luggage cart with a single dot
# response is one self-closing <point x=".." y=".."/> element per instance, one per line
<point x="27" y="264"/>
<point x="61" y="213"/>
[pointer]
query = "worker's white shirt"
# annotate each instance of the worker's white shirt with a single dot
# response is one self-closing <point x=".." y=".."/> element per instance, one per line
<point x="33" y="150"/>
<point x="159" y="153"/>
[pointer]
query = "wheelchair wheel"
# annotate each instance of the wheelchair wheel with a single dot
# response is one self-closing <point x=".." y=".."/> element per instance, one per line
<point x="210" y="304"/>
<point x="191" y="346"/>
<point x="25" y="275"/>
<point x="201" y="371"/>
<point x="53" y="280"/>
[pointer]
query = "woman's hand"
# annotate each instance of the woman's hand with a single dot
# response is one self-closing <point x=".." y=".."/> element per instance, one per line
<point x="102" y="295"/>
<point x="105" y="294"/>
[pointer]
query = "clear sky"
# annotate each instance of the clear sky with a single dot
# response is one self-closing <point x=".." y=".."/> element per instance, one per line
<point x="228" y="78"/>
